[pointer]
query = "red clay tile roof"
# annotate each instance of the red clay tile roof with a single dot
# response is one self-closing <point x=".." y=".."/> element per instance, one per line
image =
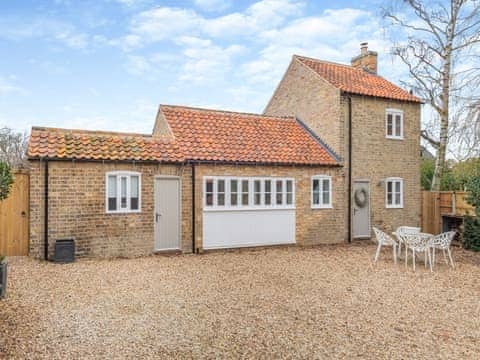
<point x="97" y="145"/>
<point x="357" y="81"/>
<point x="198" y="135"/>
<point x="213" y="135"/>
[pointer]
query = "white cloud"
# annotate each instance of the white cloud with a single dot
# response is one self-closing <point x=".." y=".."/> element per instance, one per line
<point x="210" y="50"/>
<point x="138" y="65"/>
<point x="14" y="29"/>
<point x="163" y="23"/>
<point x="247" y="97"/>
<point x="213" y="5"/>
<point x="206" y="62"/>
<point x="323" y="36"/>
<point x="132" y="3"/>
<point x="260" y="16"/>
<point x="7" y="87"/>
<point x="75" y="41"/>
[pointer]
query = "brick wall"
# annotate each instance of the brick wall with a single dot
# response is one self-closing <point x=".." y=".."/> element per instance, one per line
<point x="313" y="226"/>
<point x="375" y="157"/>
<point x="303" y="93"/>
<point x="77" y="209"/>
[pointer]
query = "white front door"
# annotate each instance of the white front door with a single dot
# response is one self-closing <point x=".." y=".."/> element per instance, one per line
<point x="167" y="213"/>
<point x="361" y="209"/>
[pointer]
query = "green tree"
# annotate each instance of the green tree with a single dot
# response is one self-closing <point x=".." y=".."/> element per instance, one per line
<point x="471" y="234"/>
<point x="6" y="180"/>
<point x="455" y="177"/>
<point x="427" y="168"/>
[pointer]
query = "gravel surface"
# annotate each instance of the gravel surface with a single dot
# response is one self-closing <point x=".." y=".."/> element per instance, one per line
<point x="329" y="301"/>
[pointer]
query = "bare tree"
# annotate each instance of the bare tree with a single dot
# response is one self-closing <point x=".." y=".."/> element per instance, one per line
<point x="466" y="132"/>
<point x="13" y="148"/>
<point x="442" y="53"/>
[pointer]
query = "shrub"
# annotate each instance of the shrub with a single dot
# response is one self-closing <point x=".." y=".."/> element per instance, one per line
<point x="6" y="180"/>
<point x="471" y="236"/>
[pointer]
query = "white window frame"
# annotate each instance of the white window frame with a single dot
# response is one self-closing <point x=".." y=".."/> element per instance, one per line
<point x="251" y="194"/>
<point x="320" y="178"/>
<point x="393" y="180"/>
<point x="394" y="112"/>
<point x="119" y="175"/>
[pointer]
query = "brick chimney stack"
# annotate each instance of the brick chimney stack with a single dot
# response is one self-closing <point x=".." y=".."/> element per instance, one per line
<point x="367" y="60"/>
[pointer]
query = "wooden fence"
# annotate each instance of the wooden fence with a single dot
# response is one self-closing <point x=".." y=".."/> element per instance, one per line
<point x="14" y="217"/>
<point x="437" y="205"/>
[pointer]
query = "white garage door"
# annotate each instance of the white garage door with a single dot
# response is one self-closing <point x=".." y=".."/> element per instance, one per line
<point x="240" y="211"/>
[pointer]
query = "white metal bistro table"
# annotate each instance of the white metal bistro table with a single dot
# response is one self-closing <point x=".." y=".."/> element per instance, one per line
<point x="418" y="242"/>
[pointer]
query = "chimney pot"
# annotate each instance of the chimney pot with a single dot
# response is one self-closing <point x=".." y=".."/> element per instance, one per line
<point x="363" y="48"/>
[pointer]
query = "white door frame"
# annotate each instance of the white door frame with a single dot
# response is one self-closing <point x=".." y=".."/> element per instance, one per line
<point x="180" y="235"/>
<point x="369" y="235"/>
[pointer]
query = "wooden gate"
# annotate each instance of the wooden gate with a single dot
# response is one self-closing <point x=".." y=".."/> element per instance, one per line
<point x="436" y="205"/>
<point x="14" y="215"/>
<point x="431" y="216"/>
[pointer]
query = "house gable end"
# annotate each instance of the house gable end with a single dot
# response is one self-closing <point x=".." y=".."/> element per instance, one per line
<point x="161" y="127"/>
<point x="306" y="95"/>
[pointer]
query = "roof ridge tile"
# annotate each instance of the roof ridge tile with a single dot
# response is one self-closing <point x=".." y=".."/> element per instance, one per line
<point x="192" y="108"/>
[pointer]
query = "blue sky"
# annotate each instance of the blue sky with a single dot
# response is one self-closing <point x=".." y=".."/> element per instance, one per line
<point x="107" y="64"/>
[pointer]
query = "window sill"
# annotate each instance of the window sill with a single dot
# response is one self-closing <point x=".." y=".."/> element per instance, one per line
<point x="394" y="137"/>
<point x="123" y="212"/>
<point x="322" y="207"/>
<point x="394" y="207"/>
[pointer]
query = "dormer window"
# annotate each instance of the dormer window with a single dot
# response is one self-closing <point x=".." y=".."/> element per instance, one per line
<point x="394" y="124"/>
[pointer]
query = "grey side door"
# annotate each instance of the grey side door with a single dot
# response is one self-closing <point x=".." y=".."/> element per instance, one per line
<point x="167" y="213"/>
<point x="361" y="209"/>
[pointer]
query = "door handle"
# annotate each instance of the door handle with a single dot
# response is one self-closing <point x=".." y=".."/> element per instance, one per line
<point x="157" y="216"/>
<point x="23" y="213"/>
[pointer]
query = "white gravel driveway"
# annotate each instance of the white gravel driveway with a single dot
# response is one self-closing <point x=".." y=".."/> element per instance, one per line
<point x="321" y="302"/>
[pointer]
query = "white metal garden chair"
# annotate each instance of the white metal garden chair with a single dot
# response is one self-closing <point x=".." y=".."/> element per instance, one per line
<point x="400" y="232"/>
<point x="418" y="243"/>
<point x="384" y="240"/>
<point x="442" y="242"/>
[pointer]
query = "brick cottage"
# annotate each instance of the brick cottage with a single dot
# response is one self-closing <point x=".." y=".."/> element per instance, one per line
<point x="336" y="151"/>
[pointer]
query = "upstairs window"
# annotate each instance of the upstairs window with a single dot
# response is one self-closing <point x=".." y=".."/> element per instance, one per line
<point x="394" y="124"/>
<point x="394" y="193"/>
<point x="123" y="189"/>
<point x="321" y="192"/>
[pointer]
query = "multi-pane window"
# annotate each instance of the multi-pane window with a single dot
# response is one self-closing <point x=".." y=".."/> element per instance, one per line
<point x="289" y="191"/>
<point x="257" y="192"/>
<point x="394" y="193"/>
<point x="221" y="192"/>
<point x="267" y="191"/>
<point x="245" y="192"/>
<point x="233" y="192"/>
<point x="321" y="191"/>
<point x="122" y="191"/>
<point x="252" y="193"/>
<point x="394" y="124"/>
<point x="209" y="192"/>
<point x="279" y="192"/>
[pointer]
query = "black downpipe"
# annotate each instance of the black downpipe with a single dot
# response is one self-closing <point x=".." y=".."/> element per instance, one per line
<point x="193" y="208"/>
<point x="45" y="230"/>
<point x="350" y="166"/>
